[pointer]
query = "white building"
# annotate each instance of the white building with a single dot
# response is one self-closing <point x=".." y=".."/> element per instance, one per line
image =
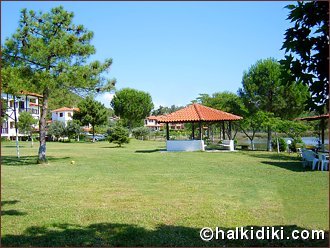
<point x="63" y="114"/>
<point x="152" y="123"/>
<point x="24" y="102"/>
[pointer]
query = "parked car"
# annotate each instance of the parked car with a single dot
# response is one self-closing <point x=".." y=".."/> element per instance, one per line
<point x="98" y="137"/>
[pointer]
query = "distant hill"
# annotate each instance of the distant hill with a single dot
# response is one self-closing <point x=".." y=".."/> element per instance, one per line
<point x="63" y="98"/>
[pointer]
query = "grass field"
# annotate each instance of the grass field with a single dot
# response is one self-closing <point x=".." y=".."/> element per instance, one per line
<point x="139" y="195"/>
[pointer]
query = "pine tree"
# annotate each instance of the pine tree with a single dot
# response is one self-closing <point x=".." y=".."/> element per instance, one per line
<point x="51" y="53"/>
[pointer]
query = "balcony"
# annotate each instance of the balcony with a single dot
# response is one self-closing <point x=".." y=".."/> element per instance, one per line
<point x="31" y="110"/>
<point x="4" y="130"/>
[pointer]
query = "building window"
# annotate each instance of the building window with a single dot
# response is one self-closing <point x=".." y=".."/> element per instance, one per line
<point x="33" y="100"/>
<point x="21" y="105"/>
<point x="61" y="114"/>
<point x="12" y="124"/>
<point x="69" y="115"/>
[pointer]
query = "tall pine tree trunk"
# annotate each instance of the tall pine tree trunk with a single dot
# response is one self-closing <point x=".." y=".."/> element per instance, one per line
<point x="16" y="128"/>
<point x="269" y="139"/>
<point x="42" y="129"/>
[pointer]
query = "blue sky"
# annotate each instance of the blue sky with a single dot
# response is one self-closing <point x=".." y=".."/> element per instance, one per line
<point x="174" y="50"/>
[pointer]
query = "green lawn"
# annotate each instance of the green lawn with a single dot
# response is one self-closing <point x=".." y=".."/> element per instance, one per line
<point x="139" y="195"/>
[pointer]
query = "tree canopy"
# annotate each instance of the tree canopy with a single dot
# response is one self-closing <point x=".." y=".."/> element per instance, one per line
<point x="307" y="46"/>
<point x="265" y="89"/>
<point x="91" y="112"/>
<point x="224" y="101"/>
<point x="50" y="52"/>
<point x="163" y="110"/>
<point x="118" y="135"/>
<point x="26" y="124"/>
<point x="132" y="106"/>
<point x="73" y="129"/>
<point x="57" y="129"/>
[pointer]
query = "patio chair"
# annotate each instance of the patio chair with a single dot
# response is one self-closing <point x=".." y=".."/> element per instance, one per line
<point x="324" y="162"/>
<point x="299" y="153"/>
<point x="309" y="157"/>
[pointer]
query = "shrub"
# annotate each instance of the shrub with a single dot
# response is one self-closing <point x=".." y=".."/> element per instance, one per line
<point x="296" y="143"/>
<point x="73" y="129"/>
<point x="118" y="135"/>
<point x="282" y="144"/>
<point x="57" y="129"/>
<point x="140" y="132"/>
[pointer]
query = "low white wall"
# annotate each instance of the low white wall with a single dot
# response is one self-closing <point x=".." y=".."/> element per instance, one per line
<point x="185" y="145"/>
<point x="228" y="144"/>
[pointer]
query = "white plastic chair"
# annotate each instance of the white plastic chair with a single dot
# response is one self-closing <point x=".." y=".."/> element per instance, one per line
<point x="324" y="162"/>
<point x="309" y="157"/>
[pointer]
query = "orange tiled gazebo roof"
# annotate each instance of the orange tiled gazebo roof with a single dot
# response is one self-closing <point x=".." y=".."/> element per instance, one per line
<point x="197" y="112"/>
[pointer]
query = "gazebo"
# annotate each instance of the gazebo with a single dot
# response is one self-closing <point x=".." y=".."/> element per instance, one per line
<point x="195" y="114"/>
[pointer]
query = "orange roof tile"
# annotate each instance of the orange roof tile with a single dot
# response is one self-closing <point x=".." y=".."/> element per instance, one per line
<point x="65" y="109"/>
<point x="30" y="93"/>
<point x="87" y="129"/>
<point x="198" y="112"/>
<point x="152" y="117"/>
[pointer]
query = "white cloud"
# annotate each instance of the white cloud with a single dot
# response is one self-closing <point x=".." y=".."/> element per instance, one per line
<point x="105" y="98"/>
<point x="108" y="96"/>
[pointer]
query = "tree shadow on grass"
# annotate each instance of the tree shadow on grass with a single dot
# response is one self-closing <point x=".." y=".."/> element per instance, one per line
<point x="292" y="166"/>
<point x="11" y="202"/>
<point x="282" y="161"/>
<point x="108" y="234"/>
<point x="13" y="146"/>
<point x="10" y="212"/>
<point x="113" y="147"/>
<point x="151" y="151"/>
<point x="273" y="156"/>
<point x="26" y="160"/>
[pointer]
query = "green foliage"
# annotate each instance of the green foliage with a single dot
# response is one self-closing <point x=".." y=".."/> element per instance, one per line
<point x="11" y="77"/>
<point x="296" y="143"/>
<point x="91" y="112"/>
<point x="57" y="129"/>
<point x="132" y="106"/>
<point x="225" y="101"/>
<point x="254" y="122"/>
<point x="73" y="129"/>
<point x="49" y="52"/>
<point x="26" y="123"/>
<point x="307" y="43"/>
<point x="264" y="89"/>
<point x="63" y="97"/>
<point x="102" y="129"/>
<point x="282" y="144"/>
<point x="293" y="129"/>
<point x="118" y="135"/>
<point x="141" y="132"/>
<point x="3" y="109"/>
<point x="165" y="110"/>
